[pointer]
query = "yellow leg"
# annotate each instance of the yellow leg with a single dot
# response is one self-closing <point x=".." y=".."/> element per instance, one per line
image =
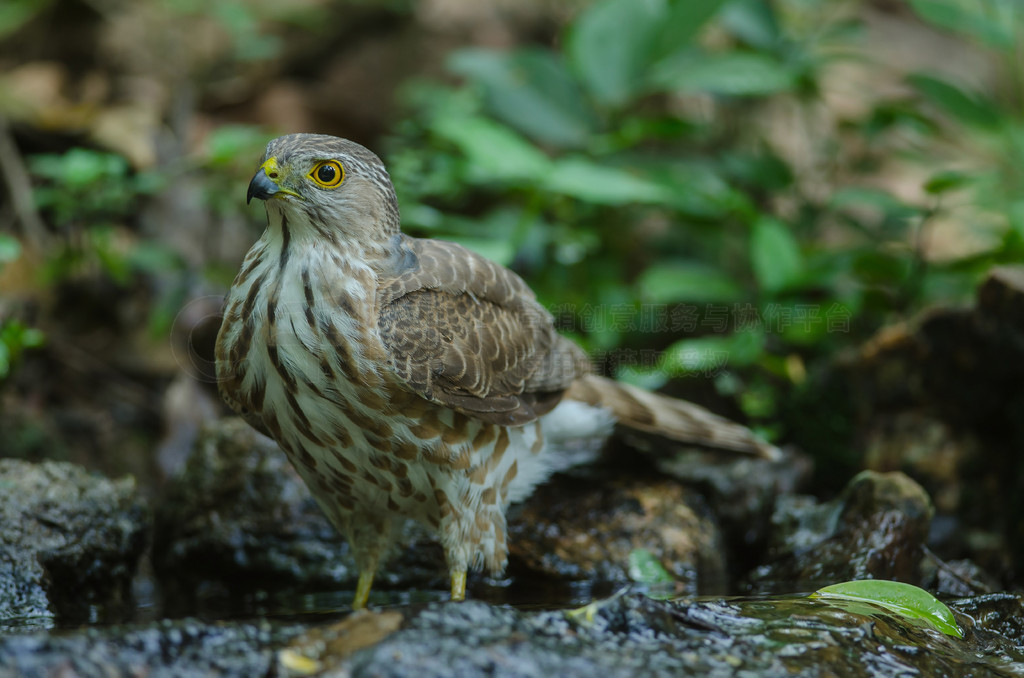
<point x="363" y="590"/>
<point x="458" y="585"/>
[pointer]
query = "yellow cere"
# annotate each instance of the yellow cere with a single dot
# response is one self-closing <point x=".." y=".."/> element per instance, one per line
<point x="270" y="167"/>
<point x="273" y="170"/>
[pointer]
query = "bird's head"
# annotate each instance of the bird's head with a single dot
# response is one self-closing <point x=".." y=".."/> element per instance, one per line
<point x="332" y="186"/>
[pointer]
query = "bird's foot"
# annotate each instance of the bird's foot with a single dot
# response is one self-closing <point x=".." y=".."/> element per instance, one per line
<point x="363" y="590"/>
<point x="458" y="585"/>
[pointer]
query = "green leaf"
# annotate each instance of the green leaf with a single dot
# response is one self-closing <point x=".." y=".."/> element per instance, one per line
<point x="610" y="46"/>
<point x="32" y="337"/>
<point x="903" y="599"/>
<point x="113" y="261"/>
<point x="774" y="255"/>
<point x="495" y="152"/>
<point x="733" y="73"/>
<point x="695" y="188"/>
<point x="684" y="21"/>
<point x="419" y="215"/>
<point x="942" y="182"/>
<point x="861" y="197"/>
<point x="880" y="267"/>
<point x="989" y="22"/>
<point x="79" y="167"/>
<point x="677" y="281"/>
<point x="752" y="21"/>
<point x="644" y="568"/>
<point x="710" y="355"/>
<point x="878" y="210"/>
<point x="648" y="378"/>
<point x="242" y="25"/>
<point x="1015" y="215"/>
<point x="614" y="43"/>
<point x="153" y="257"/>
<point x="225" y="145"/>
<point x="603" y="185"/>
<point x="500" y="251"/>
<point x="10" y="248"/>
<point x="15" y="337"/>
<point x="532" y="91"/>
<point x="16" y="13"/>
<point x="970" y="110"/>
<point x="762" y="169"/>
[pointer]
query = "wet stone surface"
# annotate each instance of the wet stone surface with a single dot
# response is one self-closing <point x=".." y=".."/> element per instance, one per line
<point x="741" y="491"/>
<point x="239" y="511"/>
<point x="634" y="635"/>
<point x="939" y="398"/>
<point x="168" y="649"/>
<point x="567" y="530"/>
<point x="624" y="636"/>
<point x="249" y="519"/>
<point x="70" y="542"/>
<point x="875" y="529"/>
<point x="997" y="613"/>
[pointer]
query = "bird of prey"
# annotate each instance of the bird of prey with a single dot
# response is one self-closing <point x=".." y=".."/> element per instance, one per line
<point x="408" y="378"/>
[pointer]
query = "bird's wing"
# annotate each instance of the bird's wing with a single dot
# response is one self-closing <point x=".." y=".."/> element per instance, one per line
<point x="469" y="334"/>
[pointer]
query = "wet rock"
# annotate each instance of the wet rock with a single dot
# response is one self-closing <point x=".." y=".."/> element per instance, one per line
<point x="875" y="529"/>
<point x="165" y="649"/>
<point x="239" y="517"/>
<point x="955" y="578"/>
<point x="996" y="613"/>
<point x="962" y="364"/>
<point x="239" y="510"/>
<point x="623" y="636"/>
<point x="740" y="490"/>
<point x="926" y="448"/>
<point x="939" y="398"/>
<point x="69" y="544"/>
<point x="572" y="529"/>
<point x="633" y="635"/>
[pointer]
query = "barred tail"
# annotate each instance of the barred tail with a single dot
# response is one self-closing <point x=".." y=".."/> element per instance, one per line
<point x="671" y="418"/>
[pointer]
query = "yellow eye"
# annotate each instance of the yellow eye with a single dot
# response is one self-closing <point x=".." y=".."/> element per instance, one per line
<point x="327" y="173"/>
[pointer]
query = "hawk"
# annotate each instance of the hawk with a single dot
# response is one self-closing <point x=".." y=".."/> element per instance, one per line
<point x="408" y="378"/>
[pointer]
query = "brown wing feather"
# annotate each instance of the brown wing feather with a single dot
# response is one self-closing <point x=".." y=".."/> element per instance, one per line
<point x="469" y="334"/>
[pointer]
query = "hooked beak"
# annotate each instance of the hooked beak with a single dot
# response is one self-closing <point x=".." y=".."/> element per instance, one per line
<point x="261" y="186"/>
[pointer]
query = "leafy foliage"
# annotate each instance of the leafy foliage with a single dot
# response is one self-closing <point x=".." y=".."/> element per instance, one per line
<point x="15" y="13"/>
<point x="626" y="175"/>
<point x="88" y="195"/>
<point x="15" y="336"/>
<point x="93" y="199"/>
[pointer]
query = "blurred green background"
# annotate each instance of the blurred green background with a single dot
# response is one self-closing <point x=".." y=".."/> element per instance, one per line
<point x="714" y="197"/>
